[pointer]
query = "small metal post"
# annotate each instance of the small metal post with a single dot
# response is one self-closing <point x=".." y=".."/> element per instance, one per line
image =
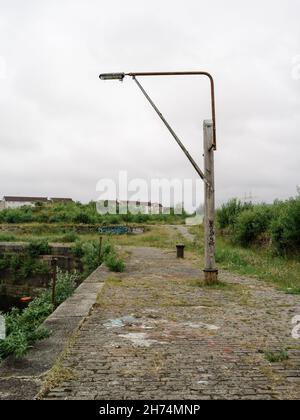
<point x="69" y="264"/>
<point x="54" y="271"/>
<point x="100" y="248"/>
<point x="180" y="250"/>
<point x="210" y="270"/>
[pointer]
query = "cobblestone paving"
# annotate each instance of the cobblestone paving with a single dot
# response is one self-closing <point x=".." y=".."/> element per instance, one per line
<point x="157" y="332"/>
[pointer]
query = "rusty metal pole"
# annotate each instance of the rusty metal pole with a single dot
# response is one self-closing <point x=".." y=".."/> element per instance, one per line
<point x="210" y="270"/>
<point x="100" y="249"/>
<point x="210" y="145"/>
<point x="54" y="272"/>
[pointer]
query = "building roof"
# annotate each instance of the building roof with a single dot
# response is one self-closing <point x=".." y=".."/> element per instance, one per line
<point x="63" y="199"/>
<point x="24" y="199"/>
<point x="139" y="203"/>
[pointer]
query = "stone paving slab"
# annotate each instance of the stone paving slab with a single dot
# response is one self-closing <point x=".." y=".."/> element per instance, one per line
<point x="158" y="333"/>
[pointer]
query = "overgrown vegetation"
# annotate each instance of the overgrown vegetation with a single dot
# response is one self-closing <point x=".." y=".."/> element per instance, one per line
<point x="276" y="225"/>
<point x="276" y="356"/>
<point x="79" y="213"/>
<point x="114" y="263"/>
<point x="25" y="264"/>
<point x="253" y="261"/>
<point x="23" y="327"/>
<point x="92" y="256"/>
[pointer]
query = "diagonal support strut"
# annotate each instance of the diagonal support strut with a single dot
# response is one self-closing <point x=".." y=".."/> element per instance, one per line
<point x="180" y="144"/>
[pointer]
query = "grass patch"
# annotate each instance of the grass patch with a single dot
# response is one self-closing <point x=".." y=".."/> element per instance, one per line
<point x="7" y="237"/>
<point x="59" y="373"/>
<point x="114" y="263"/>
<point x="291" y="291"/>
<point x="217" y="286"/>
<point x="256" y="262"/>
<point x="276" y="356"/>
<point x="113" y="281"/>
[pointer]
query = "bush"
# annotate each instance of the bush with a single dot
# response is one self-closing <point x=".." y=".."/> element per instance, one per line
<point x="77" y="249"/>
<point x="23" y="266"/>
<point x="65" y="285"/>
<point x="228" y="213"/>
<point x="7" y="237"/>
<point x="91" y="256"/>
<point x="83" y="218"/>
<point x="285" y="228"/>
<point x="252" y="223"/>
<point x="23" y="327"/>
<point x="114" y="263"/>
<point x="68" y="237"/>
<point x="36" y="248"/>
<point x="21" y="215"/>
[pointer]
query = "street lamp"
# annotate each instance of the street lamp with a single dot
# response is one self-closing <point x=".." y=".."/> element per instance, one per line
<point x="210" y="145"/>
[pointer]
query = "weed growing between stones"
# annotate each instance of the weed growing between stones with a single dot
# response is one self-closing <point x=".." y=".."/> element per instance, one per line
<point x="276" y="356"/>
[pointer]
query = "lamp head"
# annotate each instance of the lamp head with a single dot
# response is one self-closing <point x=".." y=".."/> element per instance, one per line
<point x="112" y="76"/>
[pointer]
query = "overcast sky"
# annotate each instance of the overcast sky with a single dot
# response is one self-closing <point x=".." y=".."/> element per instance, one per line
<point x="62" y="129"/>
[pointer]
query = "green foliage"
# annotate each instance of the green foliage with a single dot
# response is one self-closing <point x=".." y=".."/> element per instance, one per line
<point x="79" y="213"/>
<point x="36" y="248"/>
<point x="83" y="217"/>
<point x="111" y="259"/>
<point x="65" y="285"/>
<point x="228" y="213"/>
<point x="7" y="237"/>
<point x="278" y="224"/>
<point x="67" y="237"/>
<point x="23" y="327"/>
<point x="285" y="227"/>
<point x="107" y="248"/>
<point x="278" y="356"/>
<point x="21" y="215"/>
<point x="91" y="256"/>
<point x="77" y="249"/>
<point x="114" y="263"/>
<point x="23" y="265"/>
<point x="252" y="223"/>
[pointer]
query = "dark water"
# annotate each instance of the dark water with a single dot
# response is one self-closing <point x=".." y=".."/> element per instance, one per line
<point x="7" y="302"/>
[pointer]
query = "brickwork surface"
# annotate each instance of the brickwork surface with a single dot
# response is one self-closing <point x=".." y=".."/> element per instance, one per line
<point x="157" y="333"/>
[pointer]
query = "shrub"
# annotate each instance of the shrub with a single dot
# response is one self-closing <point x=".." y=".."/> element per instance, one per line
<point x="91" y="256"/>
<point x="36" y="248"/>
<point x="107" y="248"/>
<point x="228" y="213"/>
<point x="83" y="218"/>
<point x="65" y="285"/>
<point x="7" y="237"/>
<point x="68" y="237"/>
<point x="77" y="249"/>
<point x="252" y="223"/>
<point x="114" y="263"/>
<point x="23" y="327"/>
<point x="285" y="228"/>
<point x="277" y="356"/>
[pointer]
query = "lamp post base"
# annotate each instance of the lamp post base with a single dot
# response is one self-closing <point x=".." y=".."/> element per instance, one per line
<point x="210" y="276"/>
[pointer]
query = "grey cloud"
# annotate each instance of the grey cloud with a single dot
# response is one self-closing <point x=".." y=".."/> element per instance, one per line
<point x="62" y="129"/>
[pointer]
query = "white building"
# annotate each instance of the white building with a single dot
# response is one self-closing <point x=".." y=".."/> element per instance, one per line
<point x="11" y="202"/>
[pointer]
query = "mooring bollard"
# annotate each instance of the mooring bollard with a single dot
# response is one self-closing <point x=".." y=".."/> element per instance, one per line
<point x="180" y="250"/>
